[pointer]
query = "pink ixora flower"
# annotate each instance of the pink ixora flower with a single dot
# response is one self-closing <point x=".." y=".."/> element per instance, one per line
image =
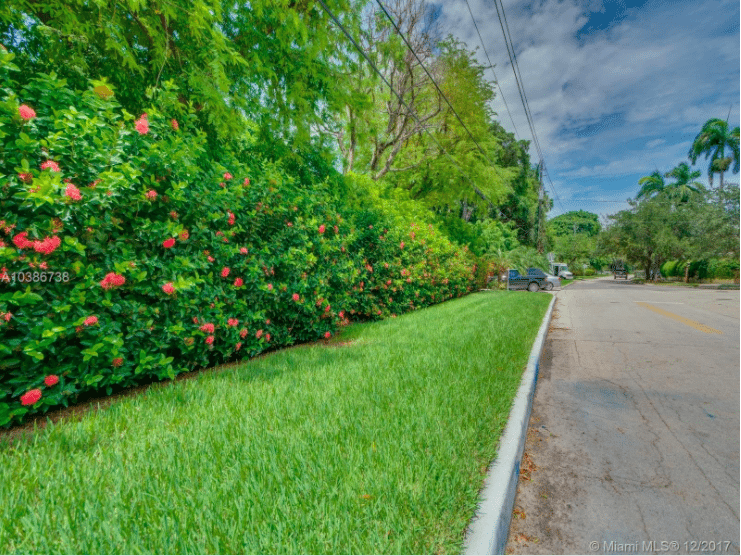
<point x="211" y="259"/>
<point x="238" y="346"/>
<point x="50" y="165"/>
<point x="90" y="321"/>
<point x="208" y="327"/>
<point x="72" y="192"/>
<point x="321" y="229"/>
<point x="232" y="322"/>
<point x="26" y="112"/>
<point x="142" y="125"/>
<point x="243" y="250"/>
<point x="267" y="337"/>
<point x="270" y="287"/>
<point x="112" y="279"/>
<point x="21" y="241"/>
<point x="48" y="245"/>
<point x="209" y="340"/>
<point x="174" y="124"/>
<point x="258" y="333"/>
<point x="246" y="181"/>
<point x="151" y="194"/>
<point x="51" y="380"/>
<point x="238" y="282"/>
<point x="225" y="272"/>
<point x="168" y="288"/>
<point x="243" y="333"/>
<point x="295" y="297"/>
<point x="26" y="177"/>
<point x="31" y="397"/>
<point x="168" y="243"/>
<point x="327" y="335"/>
<point x="227" y="176"/>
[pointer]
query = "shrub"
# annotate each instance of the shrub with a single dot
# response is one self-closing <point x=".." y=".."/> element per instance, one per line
<point x="142" y="257"/>
<point x="589" y="272"/>
<point x="723" y="268"/>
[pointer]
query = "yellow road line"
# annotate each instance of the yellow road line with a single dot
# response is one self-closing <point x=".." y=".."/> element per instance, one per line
<point x="688" y="322"/>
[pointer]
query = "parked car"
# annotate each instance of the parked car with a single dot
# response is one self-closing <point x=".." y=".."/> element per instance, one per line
<point x="551" y="281"/>
<point x="517" y="281"/>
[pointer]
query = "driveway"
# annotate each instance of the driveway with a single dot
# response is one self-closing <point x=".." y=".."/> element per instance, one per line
<point x="633" y="444"/>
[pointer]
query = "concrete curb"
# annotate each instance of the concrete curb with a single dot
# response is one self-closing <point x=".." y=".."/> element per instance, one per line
<point x="487" y="532"/>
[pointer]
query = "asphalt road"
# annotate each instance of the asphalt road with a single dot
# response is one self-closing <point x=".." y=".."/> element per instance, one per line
<point x="633" y="444"/>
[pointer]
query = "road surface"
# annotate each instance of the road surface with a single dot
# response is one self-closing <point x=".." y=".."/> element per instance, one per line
<point x="633" y="444"/>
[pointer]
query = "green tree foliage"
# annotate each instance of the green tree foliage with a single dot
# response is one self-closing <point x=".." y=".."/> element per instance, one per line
<point x="718" y="143"/>
<point x="575" y="221"/>
<point x="235" y="63"/>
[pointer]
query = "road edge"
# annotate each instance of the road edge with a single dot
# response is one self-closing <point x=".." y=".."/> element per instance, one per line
<point x="487" y="533"/>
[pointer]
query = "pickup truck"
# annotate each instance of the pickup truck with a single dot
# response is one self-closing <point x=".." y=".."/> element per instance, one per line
<point x="516" y="281"/>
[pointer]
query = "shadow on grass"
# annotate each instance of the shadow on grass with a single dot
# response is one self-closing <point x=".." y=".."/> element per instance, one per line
<point x="92" y="401"/>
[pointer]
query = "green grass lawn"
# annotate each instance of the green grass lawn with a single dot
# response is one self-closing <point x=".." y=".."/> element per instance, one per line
<point x="376" y="442"/>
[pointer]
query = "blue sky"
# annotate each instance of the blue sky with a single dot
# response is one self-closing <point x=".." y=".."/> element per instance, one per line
<point x="617" y="89"/>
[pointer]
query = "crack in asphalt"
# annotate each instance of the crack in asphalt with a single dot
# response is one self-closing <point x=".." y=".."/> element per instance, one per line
<point x="694" y="461"/>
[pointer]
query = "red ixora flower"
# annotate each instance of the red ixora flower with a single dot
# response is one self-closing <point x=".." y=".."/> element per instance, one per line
<point x="72" y="192"/>
<point x="112" y="279"/>
<point x="238" y="346"/>
<point x="238" y="282"/>
<point x="31" y="397"/>
<point x="227" y="176"/>
<point x="50" y="165"/>
<point x="48" y="245"/>
<point x="295" y="297"/>
<point x="174" y="124"/>
<point x="26" y="112"/>
<point x="209" y="340"/>
<point x="243" y="250"/>
<point x="90" y="321"/>
<point x="327" y="335"/>
<point x="225" y="272"/>
<point x="243" y="333"/>
<point x="117" y="362"/>
<point x="208" y="327"/>
<point x="168" y="243"/>
<point x="246" y="181"/>
<point x="232" y="322"/>
<point x="258" y="333"/>
<point x="26" y="177"/>
<point x="142" y="125"/>
<point x="168" y="288"/>
<point x="321" y="229"/>
<point x="151" y="194"/>
<point x="270" y="287"/>
<point x="51" y="380"/>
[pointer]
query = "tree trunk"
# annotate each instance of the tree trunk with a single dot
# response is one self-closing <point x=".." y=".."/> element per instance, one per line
<point x="687" y="273"/>
<point x="721" y="182"/>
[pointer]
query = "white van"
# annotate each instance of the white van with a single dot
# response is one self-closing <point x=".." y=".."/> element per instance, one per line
<point x="562" y="271"/>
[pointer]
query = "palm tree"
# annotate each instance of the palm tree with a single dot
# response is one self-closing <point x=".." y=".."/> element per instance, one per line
<point x="714" y="140"/>
<point x="651" y="185"/>
<point x="684" y="186"/>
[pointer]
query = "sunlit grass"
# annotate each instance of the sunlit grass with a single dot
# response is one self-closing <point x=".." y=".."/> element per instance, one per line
<point x="378" y="446"/>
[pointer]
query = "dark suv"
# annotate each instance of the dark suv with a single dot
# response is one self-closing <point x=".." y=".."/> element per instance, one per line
<point x="528" y="282"/>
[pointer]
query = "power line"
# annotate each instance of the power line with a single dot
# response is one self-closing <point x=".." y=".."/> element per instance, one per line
<point x="411" y="49"/>
<point x="401" y="100"/>
<point x="521" y="89"/>
<point x="492" y="70"/>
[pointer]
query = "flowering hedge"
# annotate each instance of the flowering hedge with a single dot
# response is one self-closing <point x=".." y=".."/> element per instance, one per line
<point x="129" y="254"/>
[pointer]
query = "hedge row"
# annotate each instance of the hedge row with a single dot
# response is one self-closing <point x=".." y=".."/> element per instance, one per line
<point x="703" y="269"/>
<point x="131" y="254"/>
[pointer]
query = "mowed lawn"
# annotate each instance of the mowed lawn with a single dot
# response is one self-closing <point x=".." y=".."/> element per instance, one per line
<point x="374" y="442"/>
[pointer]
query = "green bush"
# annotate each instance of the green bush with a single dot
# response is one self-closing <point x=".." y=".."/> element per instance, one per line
<point x="130" y="255"/>
<point x="589" y="272"/>
<point x="723" y="268"/>
<point x="669" y="268"/>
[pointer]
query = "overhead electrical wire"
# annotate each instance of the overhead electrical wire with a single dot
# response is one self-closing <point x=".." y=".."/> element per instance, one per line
<point x="401" y="100"/>
<point x="501" y="15"/>
<point x="411" y="49"/>
<point x="511" y="119"/>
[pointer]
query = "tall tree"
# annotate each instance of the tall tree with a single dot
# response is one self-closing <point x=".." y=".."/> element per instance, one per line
<point x="651" y="185"/>
<point x="684" y="185"/>
<point x="718" y="143"/>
